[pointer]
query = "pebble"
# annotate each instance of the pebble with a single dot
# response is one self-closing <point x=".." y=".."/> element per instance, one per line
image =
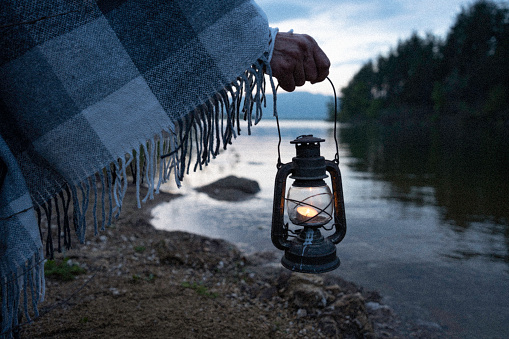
<point x="301" y="313"/>
<point x="373" y="306"/>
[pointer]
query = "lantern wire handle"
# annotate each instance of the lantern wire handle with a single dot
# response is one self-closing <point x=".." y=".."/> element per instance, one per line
<point x="279" y="163"/>
<point x="336" y="157"/>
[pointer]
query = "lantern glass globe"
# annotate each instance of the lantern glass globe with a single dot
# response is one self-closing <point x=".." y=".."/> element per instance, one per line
<point x="309" y="206"/>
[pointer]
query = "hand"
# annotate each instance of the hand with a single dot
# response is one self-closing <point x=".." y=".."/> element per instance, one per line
<point x="297" y="58"/>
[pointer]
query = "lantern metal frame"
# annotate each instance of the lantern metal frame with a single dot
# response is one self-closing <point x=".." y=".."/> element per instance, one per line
<point x="307" y="250"/>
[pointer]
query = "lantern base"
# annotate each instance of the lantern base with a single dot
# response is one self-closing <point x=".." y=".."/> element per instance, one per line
<point x="310" y="252"/>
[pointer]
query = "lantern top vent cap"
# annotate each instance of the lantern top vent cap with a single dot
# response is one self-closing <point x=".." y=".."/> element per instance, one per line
<point x="307" y="139"/>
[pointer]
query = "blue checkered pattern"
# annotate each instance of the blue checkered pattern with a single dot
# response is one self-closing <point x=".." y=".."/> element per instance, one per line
<point x="86" y="86"/>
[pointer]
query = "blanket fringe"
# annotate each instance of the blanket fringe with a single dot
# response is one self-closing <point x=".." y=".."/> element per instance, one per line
<point x="15" y="288"/>
<point x="199" y="135"/>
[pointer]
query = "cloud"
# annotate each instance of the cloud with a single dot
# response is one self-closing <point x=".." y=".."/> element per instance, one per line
<point x="352" y="32"/>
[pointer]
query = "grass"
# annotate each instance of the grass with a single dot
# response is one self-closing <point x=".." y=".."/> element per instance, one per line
<point x="62" y="270"/>
<point x="140" y="249"/>
<point x="136" y="278"/>
<point x="200" y="289"/>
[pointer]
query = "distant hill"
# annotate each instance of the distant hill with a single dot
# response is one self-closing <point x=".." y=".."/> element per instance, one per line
<point x="299" y="106"/>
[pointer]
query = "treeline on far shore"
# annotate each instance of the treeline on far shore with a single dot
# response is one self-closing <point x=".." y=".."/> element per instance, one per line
<point x="462" y="77"/>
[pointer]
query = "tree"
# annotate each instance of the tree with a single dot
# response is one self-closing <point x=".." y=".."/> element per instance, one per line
<point x="467" y="74"/>
<point x="476" y="56"/>
<point x="407" y="75"/>
<point x="404" y="77"/>
<point x="357" y="96"/>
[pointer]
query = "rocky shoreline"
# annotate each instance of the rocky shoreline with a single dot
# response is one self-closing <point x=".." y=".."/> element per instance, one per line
<point x="145" y="283"/>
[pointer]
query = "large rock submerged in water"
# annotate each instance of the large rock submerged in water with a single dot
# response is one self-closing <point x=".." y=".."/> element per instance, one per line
<point x="231" y="188"/>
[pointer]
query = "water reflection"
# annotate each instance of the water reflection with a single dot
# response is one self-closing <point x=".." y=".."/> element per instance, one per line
<point x="461" y="171"/>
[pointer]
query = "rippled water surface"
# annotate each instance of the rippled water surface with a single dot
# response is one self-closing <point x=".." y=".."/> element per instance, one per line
<point x="427" y="215"/>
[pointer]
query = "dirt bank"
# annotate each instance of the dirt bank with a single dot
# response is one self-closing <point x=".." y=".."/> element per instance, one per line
<point x="144" y="283"/>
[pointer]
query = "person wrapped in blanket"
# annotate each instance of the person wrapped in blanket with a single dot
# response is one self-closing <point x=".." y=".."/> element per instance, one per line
<point x="91" y="87"/>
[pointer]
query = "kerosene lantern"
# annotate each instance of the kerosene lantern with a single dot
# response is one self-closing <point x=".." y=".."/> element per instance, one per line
<point x="310" y="205"/>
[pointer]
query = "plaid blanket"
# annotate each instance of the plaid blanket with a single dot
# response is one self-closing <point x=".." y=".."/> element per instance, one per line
<point x="94" y="91"/>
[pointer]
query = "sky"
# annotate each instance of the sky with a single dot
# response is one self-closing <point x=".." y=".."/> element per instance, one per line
<point x="352" y="32"/>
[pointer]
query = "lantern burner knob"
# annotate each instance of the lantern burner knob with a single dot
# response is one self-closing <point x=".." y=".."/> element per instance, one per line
<point x="308" y="139"/>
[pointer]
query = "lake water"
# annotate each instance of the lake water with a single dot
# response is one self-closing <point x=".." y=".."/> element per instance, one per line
<point x="427" y="216"/>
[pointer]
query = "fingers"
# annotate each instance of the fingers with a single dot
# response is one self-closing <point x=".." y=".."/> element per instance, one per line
<point x="297" y="58"/>
<point x="287" y="83"/>
<point x="283" y="68"/>
<point x="299" y="75"/>
<point x="310" y="68"/>
<point x="322" y="63"/>
<point x="291" y="79"/>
